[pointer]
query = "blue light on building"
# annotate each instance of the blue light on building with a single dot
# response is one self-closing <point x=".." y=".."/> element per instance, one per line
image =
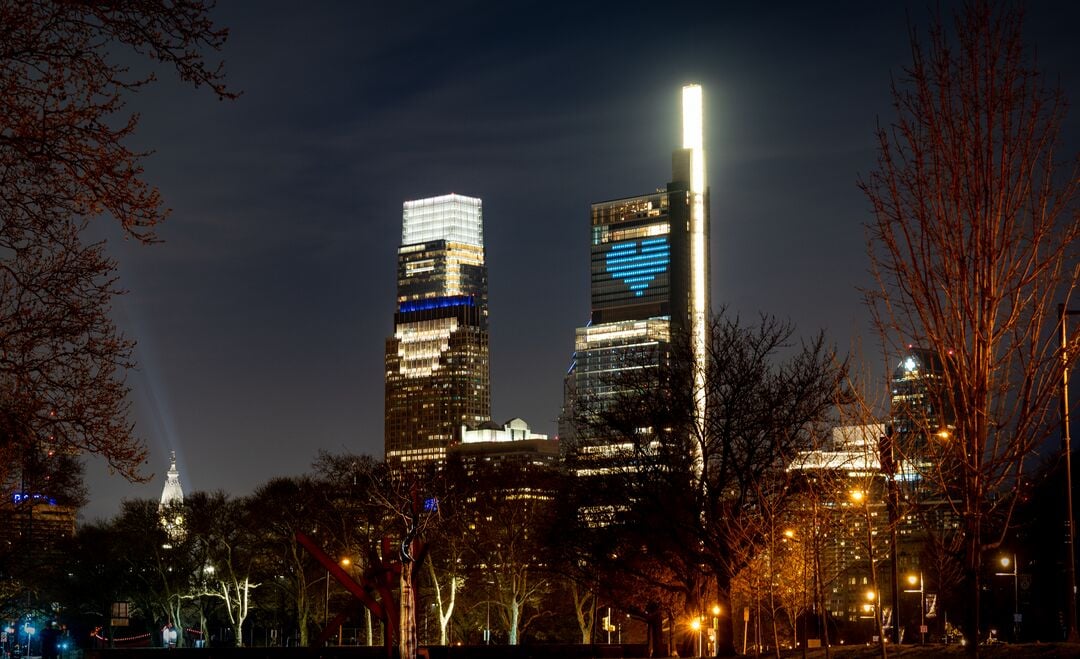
<point x="437" y="303"/>
<point x="638" y="263"/>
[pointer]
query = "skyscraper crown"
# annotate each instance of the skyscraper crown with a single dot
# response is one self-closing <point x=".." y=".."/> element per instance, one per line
<point x="451" y="217"/>
<point x="172" y="493"/>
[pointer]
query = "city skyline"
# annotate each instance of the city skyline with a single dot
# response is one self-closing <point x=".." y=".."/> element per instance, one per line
<point x="256" y="317"/>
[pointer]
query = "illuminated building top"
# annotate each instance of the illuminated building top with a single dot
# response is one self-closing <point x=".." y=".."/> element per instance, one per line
<point x="452" y="217"/>
<point x="172" y="493"/>
<point x="514" y="430"/>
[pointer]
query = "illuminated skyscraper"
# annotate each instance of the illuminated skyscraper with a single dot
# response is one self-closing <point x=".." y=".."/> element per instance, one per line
<point x="649" y="281"/>
<point x="437" y="373"/>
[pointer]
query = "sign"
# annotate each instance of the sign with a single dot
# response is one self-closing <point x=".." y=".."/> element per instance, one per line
<point x="923" y="629"/>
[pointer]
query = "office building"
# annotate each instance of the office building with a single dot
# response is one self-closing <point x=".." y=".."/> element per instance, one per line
<point x="437" y="370"/>
<point x="513" y="443"/>
<point x="919" y="407"/>
<point x="649" y="287"/>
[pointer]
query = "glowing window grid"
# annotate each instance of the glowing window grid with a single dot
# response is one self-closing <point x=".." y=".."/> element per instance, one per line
<point x="638" y="263"/>
<point x="451" y="217"/>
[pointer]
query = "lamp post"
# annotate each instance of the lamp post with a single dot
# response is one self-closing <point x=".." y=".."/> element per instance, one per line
<point x="695" y="625"/>
<point x="912" y="580"/>
<point x="29" y="633"/>
<point x="862" y="497"/>
<point x="1006" y="561"/>
<point x="345" y="563"/>
<point x="870" y="609"/>
<point x="1066" y="445"/>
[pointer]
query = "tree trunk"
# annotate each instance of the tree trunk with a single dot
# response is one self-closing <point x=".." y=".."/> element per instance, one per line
<point x="303" y="617"/>
<point x="655" y="621"/>
<point x="514" y="615"/>
<point x="407" y="646"/>
<point x="971" y="581"/>
<point x="725" y="632"/>
<point x="582" y="608"/>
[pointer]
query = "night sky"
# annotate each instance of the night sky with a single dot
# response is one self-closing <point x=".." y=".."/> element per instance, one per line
<point x="261" y="319"/>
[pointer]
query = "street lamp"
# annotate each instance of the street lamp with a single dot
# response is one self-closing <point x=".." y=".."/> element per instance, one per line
<point x="344" y="562"/>
<point x="858" y="496"/>
<point x="695" y="625"/>
<point x="1006" y="561"/>
<point x="870" y="611"/>
<point x="29" y="633"/>
<point x="912" y="580"/>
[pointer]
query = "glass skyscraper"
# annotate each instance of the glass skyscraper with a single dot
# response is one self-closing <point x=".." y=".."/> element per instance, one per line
<point x="437" y="367"/>
<point x="647" y="280"/>
<point x="649" y="274"/>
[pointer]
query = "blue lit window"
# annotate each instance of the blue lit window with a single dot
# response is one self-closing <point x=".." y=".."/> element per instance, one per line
<point x="437" y="303"/>
<point x="637" y="264"/>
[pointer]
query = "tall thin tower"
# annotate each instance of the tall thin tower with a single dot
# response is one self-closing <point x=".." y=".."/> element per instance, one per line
<point x="693" y="117"/>
<point x="437" y="367"/>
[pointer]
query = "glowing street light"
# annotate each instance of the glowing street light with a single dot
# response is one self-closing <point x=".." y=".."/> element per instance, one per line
<point x="912" y="581"/>
<point x="716" y="625"/>
<point x="861" y="497"/>
<point x="1006" y="561"/>
<point x="695" y="625"/>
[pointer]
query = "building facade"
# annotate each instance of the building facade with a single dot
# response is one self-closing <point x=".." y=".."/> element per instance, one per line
<point x="437" y="365"/>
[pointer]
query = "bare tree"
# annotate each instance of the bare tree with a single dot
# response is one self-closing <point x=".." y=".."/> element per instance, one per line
<point x="356" y="522"/>
<point x="973" y="242"/>
<point x="160" y="565"/>
<point x="225" y="527"/>
<point x="411" y="498"/>
<point x="64" y="159"/>
<point x="511" y="511"/>
<point x="768" y="397"/>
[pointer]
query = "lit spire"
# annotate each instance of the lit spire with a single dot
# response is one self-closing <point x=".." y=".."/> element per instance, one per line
<point x="172" y="493"/>
<point x="694" y="139"/>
